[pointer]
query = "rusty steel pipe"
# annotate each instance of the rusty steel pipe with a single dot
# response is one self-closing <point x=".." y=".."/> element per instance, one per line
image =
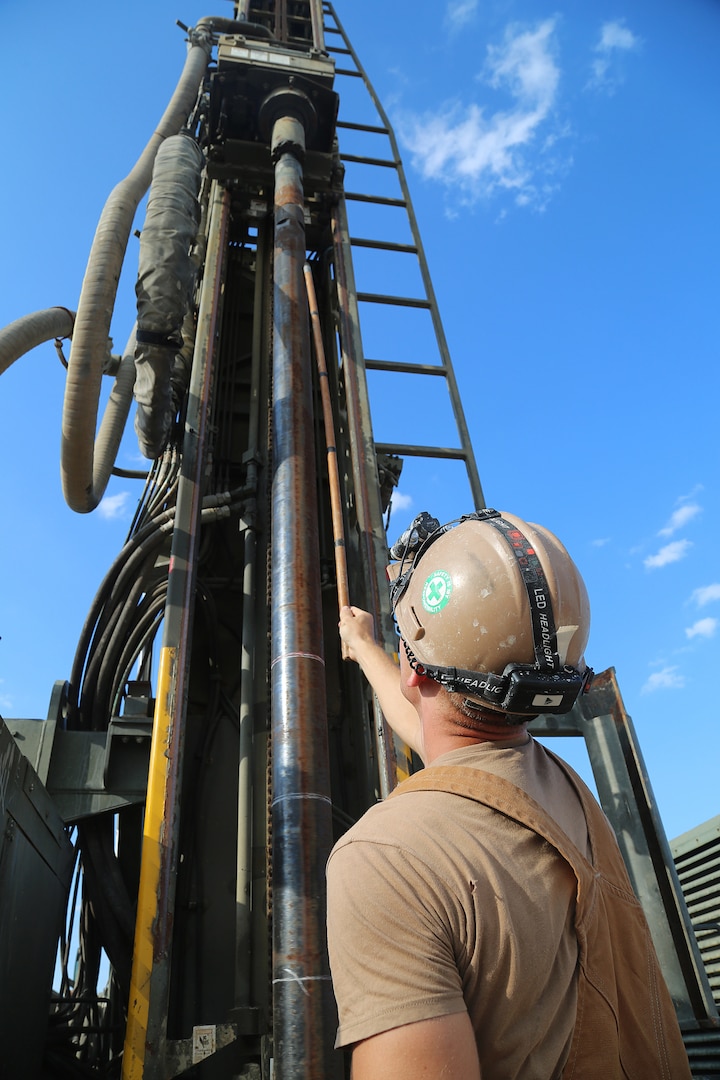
<point x="303" y="1004"/>
<point x="338" y="527"/>
<point x="364" y="465"/>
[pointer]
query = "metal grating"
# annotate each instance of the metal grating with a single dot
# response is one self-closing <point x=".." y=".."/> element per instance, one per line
<point x="697" y="860"/>
<point x="703" y="1050"/>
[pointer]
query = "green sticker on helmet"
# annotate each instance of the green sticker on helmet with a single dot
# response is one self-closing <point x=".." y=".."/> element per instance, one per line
<point x="436" y="591"/>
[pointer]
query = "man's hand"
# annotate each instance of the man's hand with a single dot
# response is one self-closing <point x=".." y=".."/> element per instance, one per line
<point x="357" y="630"/>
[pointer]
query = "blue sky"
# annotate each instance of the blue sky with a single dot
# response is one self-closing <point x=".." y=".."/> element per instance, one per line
<point x="563" y="161"/>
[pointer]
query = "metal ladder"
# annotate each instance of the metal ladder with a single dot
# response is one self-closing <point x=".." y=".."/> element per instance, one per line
<point x="357" y="133"/>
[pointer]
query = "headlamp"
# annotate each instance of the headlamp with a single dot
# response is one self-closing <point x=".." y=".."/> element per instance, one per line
<point x="524" y="689"/>
<point x="521" y="689"/>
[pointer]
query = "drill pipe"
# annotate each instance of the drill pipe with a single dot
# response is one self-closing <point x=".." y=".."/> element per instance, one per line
<point x="303" y="1004"/>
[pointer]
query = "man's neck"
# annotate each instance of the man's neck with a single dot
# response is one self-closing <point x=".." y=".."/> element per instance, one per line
<point x="441" y="741"/>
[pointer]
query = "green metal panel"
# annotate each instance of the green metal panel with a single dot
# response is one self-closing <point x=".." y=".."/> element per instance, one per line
<point x="36" y="860"/>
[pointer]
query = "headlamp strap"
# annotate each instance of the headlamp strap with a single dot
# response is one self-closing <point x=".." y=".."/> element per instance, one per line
<point x="536" y="584"/>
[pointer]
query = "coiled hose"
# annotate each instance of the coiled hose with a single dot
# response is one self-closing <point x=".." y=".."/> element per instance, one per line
<point x="24" y="334"/>
<point x="82" y="479"/>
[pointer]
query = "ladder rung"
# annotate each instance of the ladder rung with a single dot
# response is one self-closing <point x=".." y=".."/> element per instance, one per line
<point x="399" y="301"/>
<point x="421" y="451"/>
<point x="383" y="245"/>
<point x="350" y="126"/>
<point x="346" y="71"/>
<point x="369" y="160"/>
<point x="381" y="200"/>
<point x="409" y="369"/>
<point x="339" y="52"/>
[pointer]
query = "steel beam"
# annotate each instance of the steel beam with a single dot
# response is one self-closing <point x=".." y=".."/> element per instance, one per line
<point x="365" y="474"/>
<point x="627" y="798"/>
<point x="145" y="1041"/>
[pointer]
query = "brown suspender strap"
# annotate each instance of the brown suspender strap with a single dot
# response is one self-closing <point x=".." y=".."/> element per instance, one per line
<point x="503" y="796"/>
<point x="625" y="1026"/>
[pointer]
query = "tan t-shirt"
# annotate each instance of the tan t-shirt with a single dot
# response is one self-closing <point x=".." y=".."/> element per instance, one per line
<point x="437" y="904"/>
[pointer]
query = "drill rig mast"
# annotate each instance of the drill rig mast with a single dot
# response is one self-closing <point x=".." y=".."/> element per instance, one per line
<point x="209" y="743"/>
<point x="219" y="740"/>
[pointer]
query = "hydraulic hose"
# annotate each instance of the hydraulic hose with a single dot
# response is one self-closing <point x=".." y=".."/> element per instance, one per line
<point x="24" y="334"/>
<point x="114" y="419"/>
<point x="82" y="485"/>
<point x="166" y="276"/>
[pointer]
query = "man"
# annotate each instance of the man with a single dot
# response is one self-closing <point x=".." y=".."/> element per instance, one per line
<point x="480" y="920"/>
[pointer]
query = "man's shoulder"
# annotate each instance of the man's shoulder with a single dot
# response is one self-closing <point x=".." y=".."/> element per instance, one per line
<point x="429" y="826"/>
<point x="395" y="821"/>
<point x="385" y="823"/>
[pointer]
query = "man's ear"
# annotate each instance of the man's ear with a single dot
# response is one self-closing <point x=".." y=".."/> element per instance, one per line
<point x="426" y="686"/>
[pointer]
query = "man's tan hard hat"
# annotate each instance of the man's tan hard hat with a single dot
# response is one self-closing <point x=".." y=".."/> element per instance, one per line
<point x="466" y="601"/>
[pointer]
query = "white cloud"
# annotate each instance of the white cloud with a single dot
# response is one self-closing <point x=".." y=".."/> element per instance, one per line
<point x="671" y="553"/>
<point x="680" y="517"/>
<point x="667" y="679"/>
<point x="526" y="63"/>
<point x="706" y="594"/>
<point x="400" y="501"/>
<point x="614" y="35"/>
<point x="615" y="39"/>
<point x="113" y="506"/>
<point x="601" y="541"/>
<point x="480" y="154"/>
<point x="460" y="12"/>
<point x="702" y="628"/>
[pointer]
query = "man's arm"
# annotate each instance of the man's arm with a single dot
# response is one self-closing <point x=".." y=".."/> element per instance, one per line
<point x="358" y="632"/>
<point x="443" y="1048"/>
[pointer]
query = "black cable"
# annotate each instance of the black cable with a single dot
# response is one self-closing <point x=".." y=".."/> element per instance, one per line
<point x="143" y="635"/>
<point x="112" y="645"/>
<point x="91" y="707"/>
<point x="158" y="490"/>
<point x="135" y="550"/>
